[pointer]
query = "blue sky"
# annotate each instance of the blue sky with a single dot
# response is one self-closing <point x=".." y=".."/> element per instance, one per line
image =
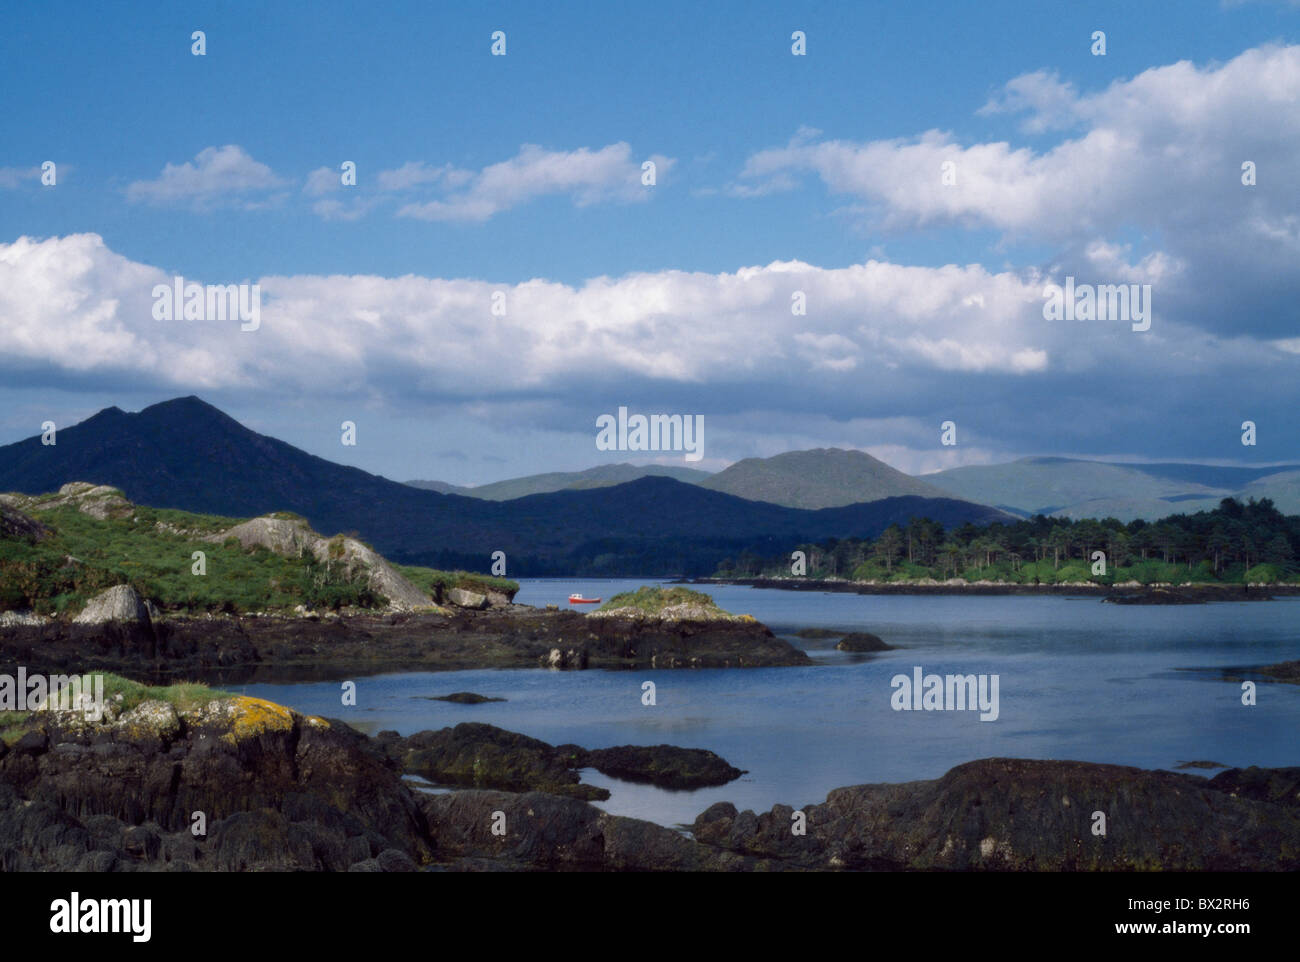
<point x="518" y="173"/>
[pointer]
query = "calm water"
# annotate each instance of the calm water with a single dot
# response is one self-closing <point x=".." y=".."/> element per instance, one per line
<point x="1078" y="680"/>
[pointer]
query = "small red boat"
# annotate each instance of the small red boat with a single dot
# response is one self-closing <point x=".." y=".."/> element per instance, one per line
<point x="577" y="599"/>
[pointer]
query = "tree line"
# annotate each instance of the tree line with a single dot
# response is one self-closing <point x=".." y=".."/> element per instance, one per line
<point x="1235" y="542"/>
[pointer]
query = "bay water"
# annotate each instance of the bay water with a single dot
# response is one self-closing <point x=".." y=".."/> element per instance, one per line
<point x="1078" y="679"/>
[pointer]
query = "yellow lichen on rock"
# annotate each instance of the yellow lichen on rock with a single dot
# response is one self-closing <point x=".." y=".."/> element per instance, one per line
<point x="255" y="716"/>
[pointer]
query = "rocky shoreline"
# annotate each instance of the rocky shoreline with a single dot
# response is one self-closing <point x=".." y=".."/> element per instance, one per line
<point x="1124" y="593"/>
<point x="242" y="784"/>
<point x="235" y="648"/>
<point x="476" y="755"/>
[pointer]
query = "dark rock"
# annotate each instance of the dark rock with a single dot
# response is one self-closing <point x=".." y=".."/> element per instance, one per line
<point x="464" y="698"/>
<point x="1012" y="814"/>
<point x="548" y="832"/>
<point x="1288" y="671"/>
<point x="395" y="860"/>
<point x="142" y="842"/>
<point x="484" y="756"/>
<point x="16" y="525"/>
<point x="32" y="743"/>
<point x="1154" y="596"/>
<point x="818" y="633"/>
<point x="1278" y="785"/>
<point x="228" y="650"/>
<point x="863" y="641"/>
<point x="279" y="792"/>
<point x="664" y="765"/>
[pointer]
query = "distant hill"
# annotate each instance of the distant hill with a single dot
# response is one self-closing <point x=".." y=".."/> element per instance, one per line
<point x="1282" y="487"/>
<point x="442" y="487"/>
<point x="187" y="454"/>
<point x="1079" y="488"/>
<point x="601" y="476"/>
<point x="820" y="478"/>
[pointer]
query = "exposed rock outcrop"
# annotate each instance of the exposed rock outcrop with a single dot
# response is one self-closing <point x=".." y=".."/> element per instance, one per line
<point x="248" y="647"/>
<point x="272" y="790"/>
<point x="280" y="791"/>
<point x="546" y="832"/>
<point x="664" y="765"/>
<point x="293" y="536"/>
<point x="15" y="524"/>
<point x="1013" y="814"/>
<point x="484" y="756"/>
<point x="465" y="698"/>
<point x="1278" y="785"/>
<point x="1288" y="671"/>
<point x="97" y="500"/>
<point x="863" y="641"/>
<point x="466" y="599"/>
<point x="120" y="603"/>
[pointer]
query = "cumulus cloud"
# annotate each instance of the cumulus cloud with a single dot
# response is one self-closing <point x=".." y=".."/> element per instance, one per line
<point x="1157" y="157"/>
<point x="75" y="304"/>
<point x="14" y="177"/>
<point x="879" y="340"/>
<point x="586" y="176"/>
<point x="321" y="181"/>
<point x="217" y="177"/>
<point x="416" y="173"/>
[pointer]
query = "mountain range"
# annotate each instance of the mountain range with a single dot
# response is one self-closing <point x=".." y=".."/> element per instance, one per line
<point x="1062" y="487"/>
<point x="601" y="476"/>
<point x="187" y="454"/>
<point x="1076" y="489"/>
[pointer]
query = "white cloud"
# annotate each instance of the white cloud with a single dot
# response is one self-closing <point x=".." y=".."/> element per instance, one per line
<point x="1154" y="161"/>
<point x="415" y="173"/>
<point x="14" y="177"/>
<point x="321" y="181"/>
<point x="74" y="304"/>
<point x="883" y="355"/>
<point x="218" y="176"/>
<point x="1150" y="146"/>
<point x="587" y="176"/>
<point x="1049" y="102"/>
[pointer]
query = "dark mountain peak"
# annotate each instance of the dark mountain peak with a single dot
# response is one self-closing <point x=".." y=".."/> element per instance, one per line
<point x="185" y="453"/>
<point x="192" y="413"/>
<point x="189" y="406"/>
<point x="107" y="414"/>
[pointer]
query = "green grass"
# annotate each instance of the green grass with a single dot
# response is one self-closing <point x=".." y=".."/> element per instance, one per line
<point x="158" y="562"/>
<point x="654" y="600"/>
<point x="183" y="696"/>
<point x="429" y="580"/>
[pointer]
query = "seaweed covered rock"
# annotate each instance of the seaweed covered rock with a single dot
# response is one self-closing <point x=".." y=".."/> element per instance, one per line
<point x="269" y="788"/>
<point x="544" y="832"/>
<point x="664" y="765"/>
<point x="863" y="641"/>
<point x="484" y="756"/>
<point x="1278" y="785"/>
<point x="1020" y="815"/>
